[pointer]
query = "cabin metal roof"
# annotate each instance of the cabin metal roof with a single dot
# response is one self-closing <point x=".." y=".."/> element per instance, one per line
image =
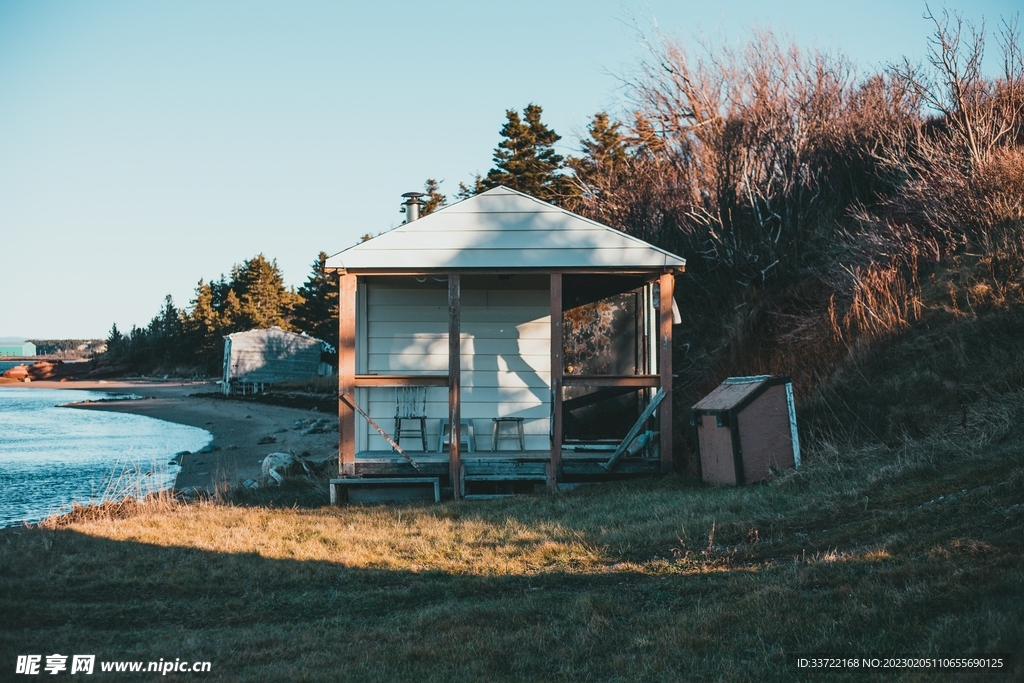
<point x="264" y="334"/>
<point x="503" y="229"/>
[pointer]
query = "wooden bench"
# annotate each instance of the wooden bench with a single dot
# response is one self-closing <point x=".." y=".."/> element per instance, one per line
<point x="385" y="490"/>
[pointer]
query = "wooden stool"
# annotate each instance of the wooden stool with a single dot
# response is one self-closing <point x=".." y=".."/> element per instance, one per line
<point x="498" y="421"/>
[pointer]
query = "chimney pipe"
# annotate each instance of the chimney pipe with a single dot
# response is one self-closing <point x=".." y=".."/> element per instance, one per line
<point x="411" y="206"/>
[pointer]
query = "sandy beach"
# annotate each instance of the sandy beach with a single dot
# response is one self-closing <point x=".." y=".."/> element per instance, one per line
<point x="237" y="427"/>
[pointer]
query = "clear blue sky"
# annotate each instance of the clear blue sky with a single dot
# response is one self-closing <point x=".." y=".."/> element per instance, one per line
<point x="145" y="145"/>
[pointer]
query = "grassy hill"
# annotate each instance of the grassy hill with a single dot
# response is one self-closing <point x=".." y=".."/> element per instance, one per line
<point x="903" y="534"/>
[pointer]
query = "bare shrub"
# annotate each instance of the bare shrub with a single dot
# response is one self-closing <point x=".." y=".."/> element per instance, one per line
<point x="819" y="211"/>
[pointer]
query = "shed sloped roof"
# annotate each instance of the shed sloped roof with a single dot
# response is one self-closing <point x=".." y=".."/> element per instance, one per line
<point x="731" y="393"/>
<point x="262" y="335"/>
<point x="502" y="229"/>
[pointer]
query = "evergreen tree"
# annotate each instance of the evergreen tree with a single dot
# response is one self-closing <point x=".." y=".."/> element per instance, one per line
<point x="203" y="328"/>
<point x="435" y="200"/>
<point x="467" y="191"/>
<point x="231" y="318"/>
<point x="253" y="297"/>
<point x="317" y="314"/>
<point x="604" y="152"/>
<point x="264" y="300"/>
<point x="203" y="319"/>
<point x="525" y="159"/>
<point x="115" y="343"/>
<point x="167" y="324"/>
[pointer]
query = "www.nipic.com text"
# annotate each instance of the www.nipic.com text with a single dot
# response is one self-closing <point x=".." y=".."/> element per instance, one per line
<point x="86" y="664"/>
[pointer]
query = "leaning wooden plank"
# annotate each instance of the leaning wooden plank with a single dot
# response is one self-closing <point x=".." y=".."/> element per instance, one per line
<point x="394" y="444"/>
<point x="648" y="411"/>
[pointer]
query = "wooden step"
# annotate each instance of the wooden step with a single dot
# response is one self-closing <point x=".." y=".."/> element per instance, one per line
<point x="385" y="490"/>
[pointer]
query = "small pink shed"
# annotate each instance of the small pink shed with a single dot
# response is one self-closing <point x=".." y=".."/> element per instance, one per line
<point x="745" y="429"/>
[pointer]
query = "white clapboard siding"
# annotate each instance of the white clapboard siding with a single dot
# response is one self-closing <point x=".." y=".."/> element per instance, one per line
<point x="512" y="315"/>
<point x="439" y="330"/>
<point x="471" y="344"/>
<point x="505" y="357"/>
<point x="409" y="362"/>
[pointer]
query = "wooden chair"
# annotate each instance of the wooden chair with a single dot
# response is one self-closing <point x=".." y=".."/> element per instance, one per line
<point x="411" y="404"/>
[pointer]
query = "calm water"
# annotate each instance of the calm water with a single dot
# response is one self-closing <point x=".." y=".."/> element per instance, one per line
<point x="51" y="457"/>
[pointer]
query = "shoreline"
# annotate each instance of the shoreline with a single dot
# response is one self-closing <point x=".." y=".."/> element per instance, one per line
<point x="234" y="453"/>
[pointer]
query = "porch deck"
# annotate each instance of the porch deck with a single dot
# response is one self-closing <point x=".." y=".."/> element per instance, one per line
<point x="576" y="466"/>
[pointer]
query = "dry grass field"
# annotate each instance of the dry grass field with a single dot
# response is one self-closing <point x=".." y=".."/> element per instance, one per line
<point x="907" y="542"/>
<point x="639" y="581"/>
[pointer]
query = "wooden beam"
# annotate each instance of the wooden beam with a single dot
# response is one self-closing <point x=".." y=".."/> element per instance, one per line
<point x="346" y="374"/>
<point x="602" y="394"/>
<point x="380" y="430"/>
<point x="454" y="380"/>
<point x="667" y="287"/>
<point x="557" y="365"/>
<point x="639" y="381"/>
<point x="401" y="380"/>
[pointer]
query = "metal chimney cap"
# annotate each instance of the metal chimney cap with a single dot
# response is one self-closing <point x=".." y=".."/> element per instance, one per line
<point x="414" y="195"/>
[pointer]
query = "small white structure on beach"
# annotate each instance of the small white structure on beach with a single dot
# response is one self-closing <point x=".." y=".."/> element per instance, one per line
<point x="256" y="358"/>
<point x="527" y="331"/>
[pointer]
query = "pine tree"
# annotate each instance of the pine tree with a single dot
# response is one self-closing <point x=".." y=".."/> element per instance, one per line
<point x="435" y="200"/>
<point x="203" y="318"/>
<point x="167" y="325"/>
<point x="264" y="300"/>
<point x="203" y="329"/>
<point x="467" y="191"/>
<point x="525" y="159"/>
<point x="317" y="315"/>
<point x="115" y="344"/>
<point x="604" y="152"/>
<point x="231" y="317"/>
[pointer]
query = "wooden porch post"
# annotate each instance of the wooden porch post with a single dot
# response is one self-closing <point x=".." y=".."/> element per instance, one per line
<point x="667" y="285"/>
<point x="347" y="374"/>
<point x="557" y="364"/>
<point x="454" y="380"/>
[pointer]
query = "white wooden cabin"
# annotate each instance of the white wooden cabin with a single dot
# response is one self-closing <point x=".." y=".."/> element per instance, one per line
<point x="516" y="281"/>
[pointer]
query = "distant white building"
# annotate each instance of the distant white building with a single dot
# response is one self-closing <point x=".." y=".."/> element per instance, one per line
<point x="257" y="358"/>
